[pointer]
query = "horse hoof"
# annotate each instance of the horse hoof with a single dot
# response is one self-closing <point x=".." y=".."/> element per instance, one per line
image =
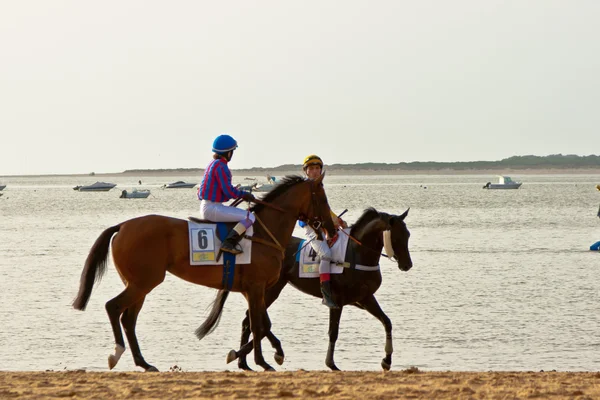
<point x="244" y="366"/>
<point x="279" y="358"/>
<point x="268" y="368"/>
<point x="152" y="369"/>
<point x="112" y="361"/>
<point x="385" y="365"/>
<point x="332" y="366"/>
<point x="232" y="355"/>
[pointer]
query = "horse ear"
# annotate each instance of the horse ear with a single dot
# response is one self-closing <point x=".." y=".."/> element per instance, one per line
<point x="404" y="214"/>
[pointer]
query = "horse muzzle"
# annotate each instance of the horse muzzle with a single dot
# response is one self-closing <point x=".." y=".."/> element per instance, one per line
<point x="403" y="265"/>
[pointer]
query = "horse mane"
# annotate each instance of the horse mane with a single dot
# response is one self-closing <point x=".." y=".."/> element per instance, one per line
<point x="286" y="182"/>
<point x="368" y="215"/>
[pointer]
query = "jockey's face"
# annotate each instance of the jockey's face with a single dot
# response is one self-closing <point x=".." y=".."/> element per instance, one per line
<point x="313" y="171"/>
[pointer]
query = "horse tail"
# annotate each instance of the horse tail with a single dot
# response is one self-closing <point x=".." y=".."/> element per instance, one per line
<point x="214" y="317"/>
<point x="95" y="267"/>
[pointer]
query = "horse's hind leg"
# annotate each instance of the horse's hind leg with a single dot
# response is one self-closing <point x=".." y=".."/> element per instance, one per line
<point x="372" y="306"/>
<point x="114" y="308"/>
<point x="128" y="320"/>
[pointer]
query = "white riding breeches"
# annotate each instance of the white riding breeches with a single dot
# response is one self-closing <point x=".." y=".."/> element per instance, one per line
<point x="218" y="212"/>
<point x="321" y="248"/>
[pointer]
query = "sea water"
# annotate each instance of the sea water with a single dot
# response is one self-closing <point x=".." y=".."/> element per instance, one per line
<point x="502" y="279"/>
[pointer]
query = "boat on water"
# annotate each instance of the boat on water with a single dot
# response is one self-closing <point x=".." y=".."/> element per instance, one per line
<point x="180" y="185"/>
<point x="135" y="194"/>
<point x="96" y="187"/>
<point x="504" y="182"/>
<point x="2" y="187"/>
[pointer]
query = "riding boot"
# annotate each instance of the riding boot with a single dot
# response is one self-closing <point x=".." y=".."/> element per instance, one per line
<point x="231" y="243"/>
<point x="326" y="291"/>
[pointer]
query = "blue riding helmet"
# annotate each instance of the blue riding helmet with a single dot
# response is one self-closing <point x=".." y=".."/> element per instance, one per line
<point x="224" y="144"/>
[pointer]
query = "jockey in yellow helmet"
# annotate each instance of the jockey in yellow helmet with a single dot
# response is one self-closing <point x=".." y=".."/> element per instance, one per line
<point x="313" y="168"/>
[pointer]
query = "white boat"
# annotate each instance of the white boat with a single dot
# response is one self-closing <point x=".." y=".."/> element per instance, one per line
<point x="504" y="182"/>
<point x="180" y="185"/>
<point x="96" y="187"/>
<point x="135" y="194"/>
<point x="2" y="187"/>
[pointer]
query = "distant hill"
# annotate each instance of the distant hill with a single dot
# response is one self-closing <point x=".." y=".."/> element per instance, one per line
<point x="554" y="161"/>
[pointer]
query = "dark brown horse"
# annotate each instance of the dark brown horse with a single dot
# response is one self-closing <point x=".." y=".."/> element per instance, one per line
<point x="352" y="287"/>
<point x="145" y="248"/>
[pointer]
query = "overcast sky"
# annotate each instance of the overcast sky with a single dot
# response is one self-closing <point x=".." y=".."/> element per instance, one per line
<point x="113" y="85"/>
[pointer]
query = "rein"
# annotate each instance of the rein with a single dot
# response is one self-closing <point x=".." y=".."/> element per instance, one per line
<point x="360" y="244"/>
<point x="316" y="224"/>
<point x="276" y="245"/>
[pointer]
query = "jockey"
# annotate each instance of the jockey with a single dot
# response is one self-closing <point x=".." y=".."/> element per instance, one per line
<point x="313" y="168"/>
<point x="216" y="188"/>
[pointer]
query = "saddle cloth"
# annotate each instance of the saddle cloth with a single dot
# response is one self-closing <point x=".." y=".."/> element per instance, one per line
<point x="205" y="244"/>
<point x="309" y="260"/>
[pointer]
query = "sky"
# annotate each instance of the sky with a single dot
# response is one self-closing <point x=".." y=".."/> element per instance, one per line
<point x="139" y="84"/>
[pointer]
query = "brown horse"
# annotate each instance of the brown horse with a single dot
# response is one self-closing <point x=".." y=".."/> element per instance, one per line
<point x="145" y="248"/>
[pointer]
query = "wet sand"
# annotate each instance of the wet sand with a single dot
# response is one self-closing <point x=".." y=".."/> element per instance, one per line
<point x="407" y="384"/>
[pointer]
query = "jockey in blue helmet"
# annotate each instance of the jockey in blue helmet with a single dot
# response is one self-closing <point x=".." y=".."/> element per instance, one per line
<point x="216" y="188"/>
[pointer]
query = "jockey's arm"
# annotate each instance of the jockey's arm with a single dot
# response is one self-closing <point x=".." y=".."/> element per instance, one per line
<point x="338" y="222"/>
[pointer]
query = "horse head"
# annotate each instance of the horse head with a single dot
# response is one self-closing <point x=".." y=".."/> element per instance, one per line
<point x="395" y="241"/>
<point x="317" y="212"/>
<point x="395" y="235"/>
<point x="304" y="198"/>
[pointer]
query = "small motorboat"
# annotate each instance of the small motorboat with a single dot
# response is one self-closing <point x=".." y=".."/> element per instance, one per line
<point x="135" y="194"/>
<point x="180" y="185"/>
<point x="504" y="182"/>
<point x="96" y="187"/>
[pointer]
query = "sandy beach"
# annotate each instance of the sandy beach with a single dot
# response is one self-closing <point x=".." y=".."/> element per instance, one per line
<point x="407" y="384"/>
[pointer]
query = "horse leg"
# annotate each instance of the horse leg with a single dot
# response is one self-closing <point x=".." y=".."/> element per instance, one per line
<point x="129" y="320"/>
<point x="372" y="306"/>
<point x="242" y="363"/>
<point x="114" y="308"/>
<point x="335" y="314"/>
<point x="271" y="295"/>
<point x="259" y="323"/>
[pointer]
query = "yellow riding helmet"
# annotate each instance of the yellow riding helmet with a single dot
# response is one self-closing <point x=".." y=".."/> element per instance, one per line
<point x="313" y="159"/>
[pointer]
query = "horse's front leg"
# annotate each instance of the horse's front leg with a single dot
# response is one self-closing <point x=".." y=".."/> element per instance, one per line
<point x="242" y="363"/>
<point x="270" y="296"/>
<point x="335" y="314"/>
<point x="372" y="306"/>
<point x="259" y="323"/>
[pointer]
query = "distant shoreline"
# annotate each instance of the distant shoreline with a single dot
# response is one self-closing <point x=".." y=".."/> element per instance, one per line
<point x="338" y="172"/>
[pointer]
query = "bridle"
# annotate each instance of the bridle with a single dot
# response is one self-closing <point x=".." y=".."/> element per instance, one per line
<point x="358" y="242"/>
<point x="316" y="222"/>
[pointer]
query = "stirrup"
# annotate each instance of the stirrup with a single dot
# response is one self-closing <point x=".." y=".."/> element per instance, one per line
<point x="236" y="248"/>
